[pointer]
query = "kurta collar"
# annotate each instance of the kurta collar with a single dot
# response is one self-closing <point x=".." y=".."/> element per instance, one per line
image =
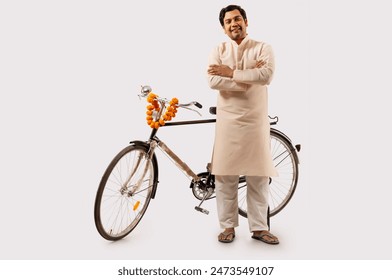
<point x="243" y="43"/>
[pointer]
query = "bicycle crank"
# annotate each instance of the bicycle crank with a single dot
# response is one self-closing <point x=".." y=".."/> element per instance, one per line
<point x="206" y="195"/>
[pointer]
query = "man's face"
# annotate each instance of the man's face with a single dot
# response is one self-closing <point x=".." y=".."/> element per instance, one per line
<point x="234" y="25"/>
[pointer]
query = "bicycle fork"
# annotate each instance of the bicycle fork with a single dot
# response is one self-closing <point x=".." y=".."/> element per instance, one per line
<point x="139" y="182"/>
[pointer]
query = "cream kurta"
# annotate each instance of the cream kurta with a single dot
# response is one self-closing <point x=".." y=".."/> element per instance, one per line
<point x="242" y="136"/>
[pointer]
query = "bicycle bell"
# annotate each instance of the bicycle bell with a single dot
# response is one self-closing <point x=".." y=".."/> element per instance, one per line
<point x="145" y="90"/>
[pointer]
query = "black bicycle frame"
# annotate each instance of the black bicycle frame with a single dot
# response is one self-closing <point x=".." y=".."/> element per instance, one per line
<point x="191" y="122"/>
<point x="154" y="130"/>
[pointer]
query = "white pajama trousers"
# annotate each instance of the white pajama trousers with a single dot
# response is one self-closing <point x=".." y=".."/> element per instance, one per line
<point x="226" y="188"/>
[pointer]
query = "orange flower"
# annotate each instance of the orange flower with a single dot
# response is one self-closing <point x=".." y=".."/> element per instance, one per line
<point x="174" y="101"/>
<point x="170" y="112"/>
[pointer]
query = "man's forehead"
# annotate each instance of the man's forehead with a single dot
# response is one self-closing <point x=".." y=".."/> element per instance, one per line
<point x="232" y="14"/>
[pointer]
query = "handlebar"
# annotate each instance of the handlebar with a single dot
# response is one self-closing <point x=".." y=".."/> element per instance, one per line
<point x="146" y="90"/>
<point x="195" y="103"/>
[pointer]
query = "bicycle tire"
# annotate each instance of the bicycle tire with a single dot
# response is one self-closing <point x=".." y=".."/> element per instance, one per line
<point x="282" y="188"/>
<point x="120" y="204"/>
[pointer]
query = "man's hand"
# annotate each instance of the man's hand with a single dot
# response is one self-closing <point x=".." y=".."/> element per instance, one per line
<point x="226" y="71"/>
<point x="220" y="70"/>
<point x="260" y="63"/>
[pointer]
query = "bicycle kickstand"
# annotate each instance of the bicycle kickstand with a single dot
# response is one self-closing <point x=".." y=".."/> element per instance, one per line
<point x="202" y="210"/>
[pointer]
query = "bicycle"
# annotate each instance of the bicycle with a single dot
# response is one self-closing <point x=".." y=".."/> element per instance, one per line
<point x="131" y="179"/>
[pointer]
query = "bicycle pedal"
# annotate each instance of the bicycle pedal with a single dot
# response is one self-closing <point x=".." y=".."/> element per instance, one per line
<point x="202" y="210"/>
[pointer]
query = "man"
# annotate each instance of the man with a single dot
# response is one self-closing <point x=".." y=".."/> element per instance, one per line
<point x="241" y="70"/>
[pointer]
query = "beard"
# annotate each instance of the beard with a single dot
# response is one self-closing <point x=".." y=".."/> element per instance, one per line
<point x="237" y="34"/>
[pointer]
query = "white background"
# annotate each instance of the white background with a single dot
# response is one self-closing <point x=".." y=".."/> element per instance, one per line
<point x="70" y="72"/>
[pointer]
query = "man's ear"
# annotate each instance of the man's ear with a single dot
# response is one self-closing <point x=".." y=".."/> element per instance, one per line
<point x="246" y="23"/>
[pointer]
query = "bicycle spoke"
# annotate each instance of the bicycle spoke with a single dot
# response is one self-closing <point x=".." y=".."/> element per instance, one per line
<point x="143" y="190"/>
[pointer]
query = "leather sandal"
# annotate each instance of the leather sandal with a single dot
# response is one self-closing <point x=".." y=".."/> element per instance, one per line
<point x="226" y="237"/>
<point x="272" y="239"/>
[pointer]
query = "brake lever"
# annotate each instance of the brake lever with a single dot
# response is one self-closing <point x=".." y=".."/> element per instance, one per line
<point x="197" y="104"/>
<point x="192" y="110"/>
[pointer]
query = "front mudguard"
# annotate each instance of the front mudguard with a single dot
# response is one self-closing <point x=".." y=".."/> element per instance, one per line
<point x="146" y="147"/>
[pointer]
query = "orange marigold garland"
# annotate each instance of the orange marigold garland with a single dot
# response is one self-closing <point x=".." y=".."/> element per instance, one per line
<point x="170" y="113"/>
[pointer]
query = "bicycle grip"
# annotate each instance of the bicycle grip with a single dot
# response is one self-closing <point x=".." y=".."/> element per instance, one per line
<point x="198" y="105"/>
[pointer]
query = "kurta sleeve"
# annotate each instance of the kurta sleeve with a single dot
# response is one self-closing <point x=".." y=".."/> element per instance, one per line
<point x="222" y="83"/>
<point x="263" y="75"/>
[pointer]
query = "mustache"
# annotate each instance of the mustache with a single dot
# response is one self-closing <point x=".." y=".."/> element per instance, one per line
<point x="234" y="28"/>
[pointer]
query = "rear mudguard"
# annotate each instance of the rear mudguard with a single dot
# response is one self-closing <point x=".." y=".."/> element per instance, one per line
<point x="293" y="149"/>
<point x="154" y="163"/>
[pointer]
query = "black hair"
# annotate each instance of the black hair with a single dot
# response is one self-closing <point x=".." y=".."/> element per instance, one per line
<point x="229" y="9"/>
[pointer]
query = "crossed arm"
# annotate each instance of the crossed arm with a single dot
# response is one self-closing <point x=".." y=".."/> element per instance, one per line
<point x="222" y="77"/>
<point x="225" y="71"/>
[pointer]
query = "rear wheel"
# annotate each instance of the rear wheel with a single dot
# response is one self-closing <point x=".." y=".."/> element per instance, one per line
<point x="282" y="187"/>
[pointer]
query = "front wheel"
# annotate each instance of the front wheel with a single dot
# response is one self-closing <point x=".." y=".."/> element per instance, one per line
<point x="281" y="188"/>
<point x="125" y="192"/>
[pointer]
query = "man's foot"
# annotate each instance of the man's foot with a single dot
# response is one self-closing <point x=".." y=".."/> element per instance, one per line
<point x="265" y="236"/>
<point x="227" y="235"/>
